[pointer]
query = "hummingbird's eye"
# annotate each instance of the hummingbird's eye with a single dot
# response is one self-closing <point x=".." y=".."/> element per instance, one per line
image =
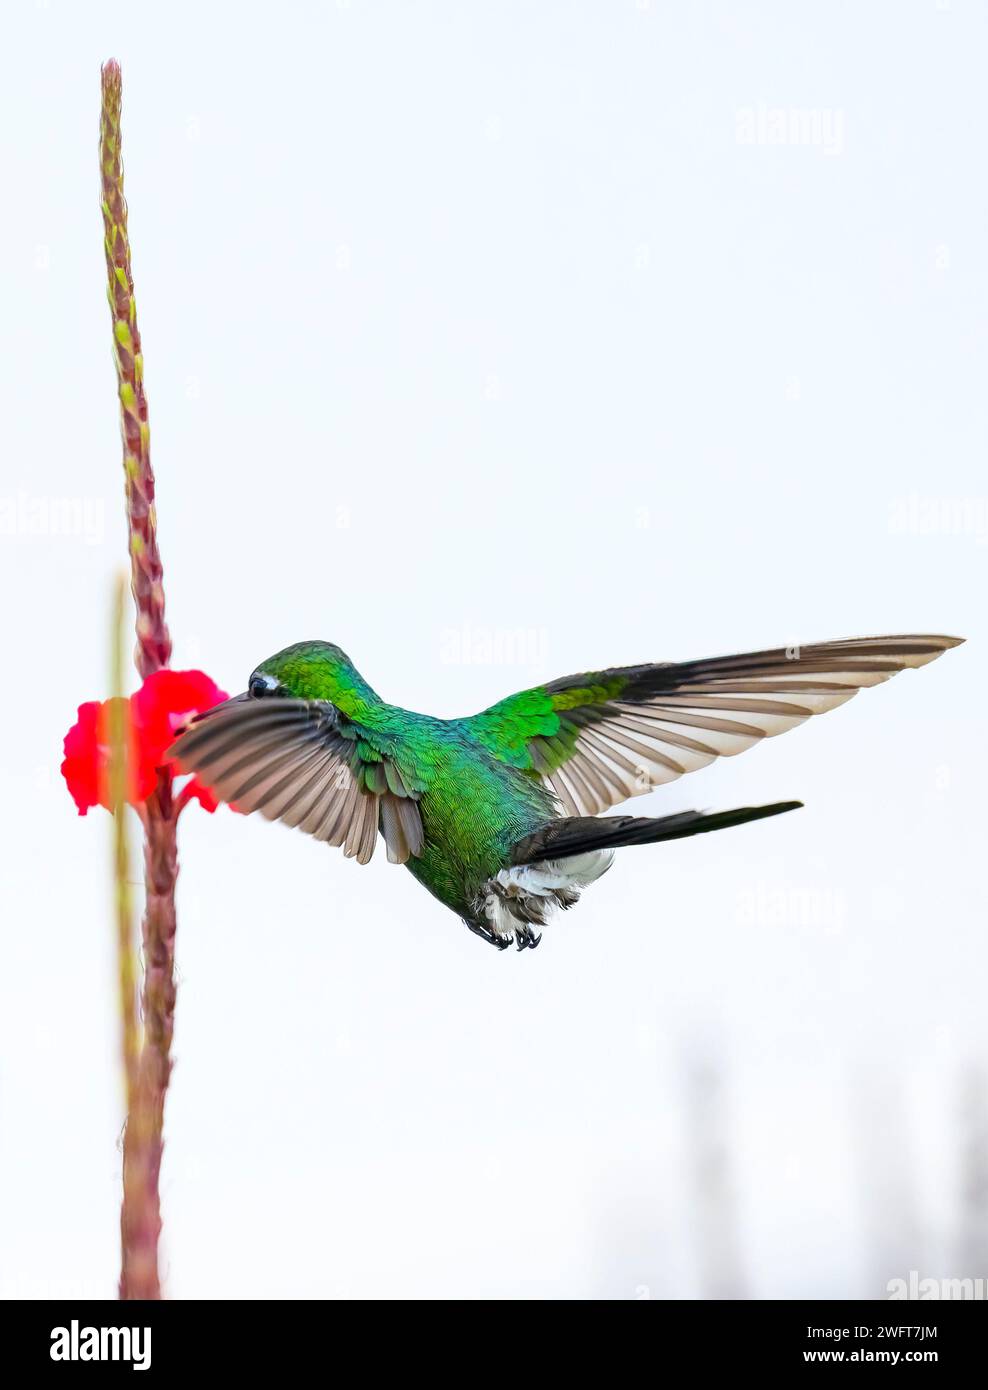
<point x="261" y="685"/>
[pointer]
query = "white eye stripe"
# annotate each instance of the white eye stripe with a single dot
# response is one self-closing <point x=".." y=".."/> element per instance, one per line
<point x="261" y="684"/>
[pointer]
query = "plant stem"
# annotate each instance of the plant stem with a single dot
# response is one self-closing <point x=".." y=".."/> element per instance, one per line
<point x="140" y="1218"/>
<point x="153" y="641"/>
<point x="126" y="968"/>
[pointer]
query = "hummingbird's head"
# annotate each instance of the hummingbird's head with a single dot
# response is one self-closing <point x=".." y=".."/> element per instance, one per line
<point x="312" y="671"/>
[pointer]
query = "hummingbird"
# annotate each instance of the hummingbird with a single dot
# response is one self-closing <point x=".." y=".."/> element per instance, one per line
<point x="498" y="815"/>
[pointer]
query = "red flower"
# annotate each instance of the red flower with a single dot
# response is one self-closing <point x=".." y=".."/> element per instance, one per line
<point x="155" y="713"/>
<point x="86" y="768"/>
<point x="165" y="702"/>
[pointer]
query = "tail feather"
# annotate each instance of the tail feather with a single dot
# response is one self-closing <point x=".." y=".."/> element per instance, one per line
<point x="562" y="839"/>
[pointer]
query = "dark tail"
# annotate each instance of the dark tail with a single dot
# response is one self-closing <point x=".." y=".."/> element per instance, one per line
<point x="576" y="835"/>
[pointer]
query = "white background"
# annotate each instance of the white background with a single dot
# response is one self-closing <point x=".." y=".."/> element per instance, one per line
<point x="460" y="322"/>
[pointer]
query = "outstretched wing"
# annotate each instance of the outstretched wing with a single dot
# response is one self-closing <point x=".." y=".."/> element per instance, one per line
<point x="599" y="738"/>
<point x="304" y="763"/>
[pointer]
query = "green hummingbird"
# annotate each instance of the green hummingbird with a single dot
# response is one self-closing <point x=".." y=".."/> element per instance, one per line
<point x="498" y="814"/>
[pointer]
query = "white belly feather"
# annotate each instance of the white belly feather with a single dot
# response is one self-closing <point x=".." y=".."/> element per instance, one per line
<point x="526" y="895"/>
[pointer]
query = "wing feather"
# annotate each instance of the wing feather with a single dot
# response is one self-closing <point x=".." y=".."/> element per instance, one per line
<point x="600" y="737"/>
<point x="297" y="761"/>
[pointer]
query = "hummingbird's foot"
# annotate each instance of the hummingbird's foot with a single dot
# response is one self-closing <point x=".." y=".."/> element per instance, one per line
<point x="503" y="919"/>
<point x="487" y="934"/>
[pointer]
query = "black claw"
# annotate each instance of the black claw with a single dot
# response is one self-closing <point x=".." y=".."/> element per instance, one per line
<point x="524" y="937"/>
<point x="485" y="934"/>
